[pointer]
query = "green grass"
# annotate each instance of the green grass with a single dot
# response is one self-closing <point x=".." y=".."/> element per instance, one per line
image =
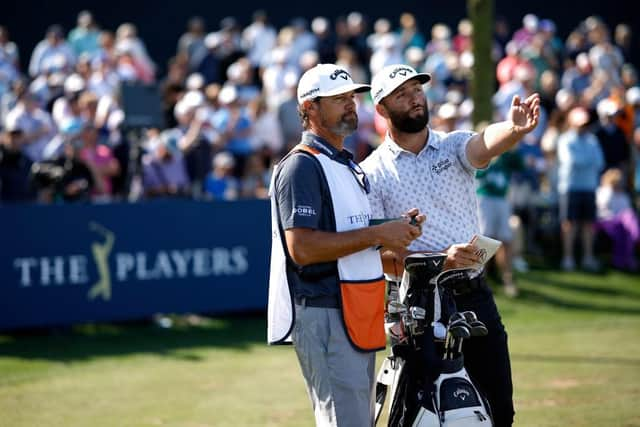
<point x="574" y="339"/>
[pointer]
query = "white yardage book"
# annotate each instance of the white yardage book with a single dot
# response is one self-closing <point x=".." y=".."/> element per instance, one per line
<point x="486" y="248"/>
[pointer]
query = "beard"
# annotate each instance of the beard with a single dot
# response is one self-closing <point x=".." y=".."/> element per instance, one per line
<point x="407" y="124"/>
<point x="346" y="126"/>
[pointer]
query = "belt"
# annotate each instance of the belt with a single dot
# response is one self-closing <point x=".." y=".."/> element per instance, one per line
<point x="324" y="301"/>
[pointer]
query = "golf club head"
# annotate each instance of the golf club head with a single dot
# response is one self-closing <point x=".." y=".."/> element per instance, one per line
<point x="394" y="307"/>
<point x="477" y="328"/>
<point x="422" y="267"/>
<point x="454" y="280"/>
<point x="418" y="313"/>
<point x="470" y="316"/>
<point x="459" y="330"/>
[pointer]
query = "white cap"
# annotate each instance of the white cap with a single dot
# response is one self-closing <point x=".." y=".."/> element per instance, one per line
<point x="227" y="94"/>
<point x="633" y="96"/>
<point x="607" y="108"/>
<point x="391" y="77"/>
<point x="327" y="80"/>
<point x="74" y="83"/>
<point x="447" y="111"/>
<point x="578" y="116"/>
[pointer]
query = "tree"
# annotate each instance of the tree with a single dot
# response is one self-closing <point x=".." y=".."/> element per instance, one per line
<point x="482" y="82"/>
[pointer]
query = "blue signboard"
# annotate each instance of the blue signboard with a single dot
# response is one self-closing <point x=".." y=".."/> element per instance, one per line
<point x="81" y="263"/>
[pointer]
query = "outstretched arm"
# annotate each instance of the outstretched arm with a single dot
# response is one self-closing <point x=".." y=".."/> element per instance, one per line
<point x="499" y="137"/>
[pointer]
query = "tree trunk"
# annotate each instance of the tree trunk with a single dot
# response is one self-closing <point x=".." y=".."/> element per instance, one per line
<point x="482" y="83"/>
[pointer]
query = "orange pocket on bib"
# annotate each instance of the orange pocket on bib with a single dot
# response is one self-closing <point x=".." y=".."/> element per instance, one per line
<point x="363" y="313"/>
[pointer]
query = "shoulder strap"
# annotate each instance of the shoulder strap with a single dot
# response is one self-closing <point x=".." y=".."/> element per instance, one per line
<point x="311" y="153"/>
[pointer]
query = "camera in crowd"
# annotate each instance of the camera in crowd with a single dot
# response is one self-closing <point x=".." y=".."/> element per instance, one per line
<point x="46" y="175"/>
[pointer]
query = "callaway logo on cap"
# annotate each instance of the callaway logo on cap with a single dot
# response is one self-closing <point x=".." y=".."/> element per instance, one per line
<point x="327" y="80"/>
<point x="391" y="77"/>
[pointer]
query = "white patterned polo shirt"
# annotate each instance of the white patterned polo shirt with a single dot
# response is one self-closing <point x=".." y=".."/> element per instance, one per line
<point x="439" y="181"/>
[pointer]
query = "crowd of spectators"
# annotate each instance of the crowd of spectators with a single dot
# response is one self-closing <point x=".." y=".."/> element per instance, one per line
<point x="230" y="113"/>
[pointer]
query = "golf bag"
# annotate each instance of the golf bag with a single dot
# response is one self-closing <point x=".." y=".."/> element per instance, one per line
<point x="429" y="384"/>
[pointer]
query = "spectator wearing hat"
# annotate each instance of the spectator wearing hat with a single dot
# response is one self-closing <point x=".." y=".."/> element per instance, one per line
<point x="193" y="136"/>
<point x="15" y="166"/>
<point x="613" y="141"/>
<point x="232" y="124"/>
<point x="580" y="161"/>
<point x="67" y="105"/>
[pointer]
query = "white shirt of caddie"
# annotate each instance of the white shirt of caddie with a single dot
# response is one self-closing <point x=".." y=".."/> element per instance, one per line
<point x="439" y="181"/>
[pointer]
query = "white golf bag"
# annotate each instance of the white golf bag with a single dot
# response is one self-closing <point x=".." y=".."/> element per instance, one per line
<point x="421" y="397"/>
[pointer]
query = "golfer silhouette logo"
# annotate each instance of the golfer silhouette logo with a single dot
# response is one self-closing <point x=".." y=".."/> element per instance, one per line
<point x="101" y="253"/>
<point x="482" y="254"/>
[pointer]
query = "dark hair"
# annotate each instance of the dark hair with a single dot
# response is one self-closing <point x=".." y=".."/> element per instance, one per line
<point x="302" y="112"/>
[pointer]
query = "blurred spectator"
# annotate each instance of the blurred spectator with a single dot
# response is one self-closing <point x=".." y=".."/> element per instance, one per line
<point x="9" y="53"/>
<point x="84" y="39"/>
<point x="577" y="78"/>
<point x="134" y="63"/>
<point x="288" y="117"/>
<point x="410" y="35"/>
<point x="163" y="169"/>
<point x="255" y="179"/>
<point x="35" y="124"/>
<point x="266" y="132"/>
<point x="100" y="159"/>
<point x="67" y="106"/>
<point x="15" y="166"/>
<point x="356" y="36"/>
<point x="67" y="177"/>
<point x="277" y="77"/>
<point x="622" y="37"/>
<point x="462" y="42"/>
<point x="221" y="184"/>
<point x="580" y="161"/>
<point x="613" y="142"/>
<point x="258" y="39"/>
<point x="325" y="40"/>
<point x="494" y="211"/>
<point x="193" y="136"/>
<point x="233" y="125"/>
<point x="617" y="219"/>
<point x="501" y="33"/>
<point x="524" y="35"/>
<point x="51" y="54"/>
<point x="191" y="43"/>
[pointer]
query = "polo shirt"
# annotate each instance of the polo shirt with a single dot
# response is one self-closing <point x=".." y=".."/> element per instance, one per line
<point x="304" y="201"/>
<point x="439" y="181"/>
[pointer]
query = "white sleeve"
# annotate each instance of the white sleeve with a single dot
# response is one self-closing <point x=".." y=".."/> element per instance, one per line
<point x="461" y="140"/>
